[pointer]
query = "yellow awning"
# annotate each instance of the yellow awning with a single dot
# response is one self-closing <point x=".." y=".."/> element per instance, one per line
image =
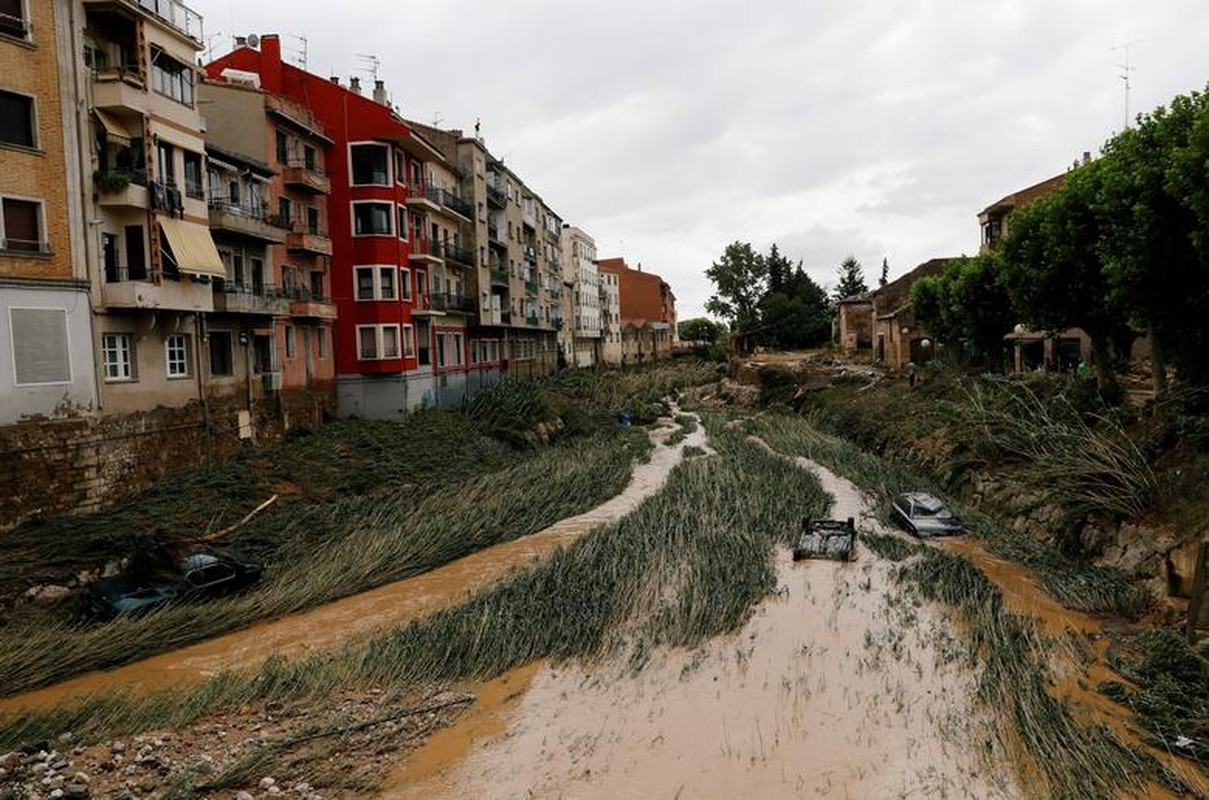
<point x="193" y="248"/>
<point x="113" y="129"/>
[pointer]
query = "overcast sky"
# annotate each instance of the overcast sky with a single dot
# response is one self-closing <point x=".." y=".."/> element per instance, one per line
<point x="669" y="129"/>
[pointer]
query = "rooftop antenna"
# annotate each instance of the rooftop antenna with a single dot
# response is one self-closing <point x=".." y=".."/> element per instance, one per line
<point x="478" y="124"/>
<point x="436" y="119"/>
<point x="373" y="61"/>
<point x="208" y="56"/>
<point x="1126" y="68"/>
<point x="300" y="51"/>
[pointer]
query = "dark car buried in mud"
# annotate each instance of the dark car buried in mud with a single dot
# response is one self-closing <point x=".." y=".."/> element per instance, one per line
<point x="826" y="538"/>
<point x="924" y="515"/>
<point x="202" y="575"/>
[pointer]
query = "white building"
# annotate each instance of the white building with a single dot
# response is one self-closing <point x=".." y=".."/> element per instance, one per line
<point x="582" y="336"/>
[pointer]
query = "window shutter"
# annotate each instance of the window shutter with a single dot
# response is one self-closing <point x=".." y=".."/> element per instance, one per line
<point x="40" y="345"/>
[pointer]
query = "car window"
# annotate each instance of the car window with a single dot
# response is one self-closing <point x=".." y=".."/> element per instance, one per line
<point x="210" y="574"/>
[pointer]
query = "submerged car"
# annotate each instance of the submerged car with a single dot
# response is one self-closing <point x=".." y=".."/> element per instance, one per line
<point x="826" y="538"/>
<point x="924" y="515"/>
<point x="201" y="575"/>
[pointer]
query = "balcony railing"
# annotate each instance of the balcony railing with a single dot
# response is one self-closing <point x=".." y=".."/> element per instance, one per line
<point x="120" y="274"/>
<point x="499" y="277"/>
<point x="176" y="14"/>
<point x="247" y="220"/>
<point x="531" y="287"/>
<point x="453" y="302"/>
<point x="532" y="321"/>
<point x="306" y="177"/>
<point x="496" y="197"/>
<point x="455" y="252"/>
<point x="307" y="239"/>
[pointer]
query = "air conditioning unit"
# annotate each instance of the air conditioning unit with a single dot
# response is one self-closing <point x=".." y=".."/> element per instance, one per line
<point x="271" y="381"/>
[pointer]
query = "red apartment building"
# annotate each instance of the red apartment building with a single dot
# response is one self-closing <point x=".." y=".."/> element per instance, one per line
<point x="648" y="312"/>
<point x="376" y="165"/>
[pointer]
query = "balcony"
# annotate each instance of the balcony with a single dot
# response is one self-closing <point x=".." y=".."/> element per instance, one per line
<point x="134" y="287"/>
<point x="532" y="322"/>
<point x="454" y="303"/>
<point x="456" y="254"/>
<point x="304" y="239"/>
<point x="453" y="203"/>
<point x="424" y="250"/>
<point x="531" y="287"/>
<point x="121" y="90"/>
<point x="174" y="14"/>
<point x="496" y="197"/>
<point x="261" y="299"/>
<point x="421" y="195"/>
<point x="242" y="220"/>
<point x="306" y="179"/>
<point x="121" y="189"/>
<point x="493" y="237"/>
<point x="499" y="278"/>
<point x="427" y="305"/>
<point x="310" y="305"/>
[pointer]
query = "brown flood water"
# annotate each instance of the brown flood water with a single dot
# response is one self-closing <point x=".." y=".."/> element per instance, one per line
<point x="834" y="688"/>
<point x="358" y="617"/>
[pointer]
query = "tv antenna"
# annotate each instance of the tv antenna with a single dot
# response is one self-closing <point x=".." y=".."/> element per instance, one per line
<point x="437" y="119"/>
<point x="373" y="61"/>
<point x="1126" y="69"/>
<point x="298" y="52"/>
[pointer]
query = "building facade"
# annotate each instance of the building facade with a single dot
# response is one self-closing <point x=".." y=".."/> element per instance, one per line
<point x="582" y="337"/>
<point x="647" y="312"/>
<point x="46" y="347"/>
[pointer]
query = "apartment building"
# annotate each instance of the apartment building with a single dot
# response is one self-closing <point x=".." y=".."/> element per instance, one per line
<point x="581" y="339"/>
<point x="515" y="286"/>
<point x="648" y="312"/>
<point x="144" y="197"/>
<point x="396" y="221"/>
<point x="609" y="272"/>
<point x="46" y="364"/>
<point x="272" y="331"/>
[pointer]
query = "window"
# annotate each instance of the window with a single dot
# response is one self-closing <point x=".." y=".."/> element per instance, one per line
<point x="13" y="19"/>
<point x="371" y="219"/>
<point x="409" y="341"/>
<point x="177" y="347"/>
<point x="21" y="226"/>
<point x="117" y="354"/>
<point x="220" y="353"/>
<point x="386" y="283"/>
<point x="171" y="78"/>
<point x="283" y="147"/>
<point x="401" y="221"/>
<point x="193" y="176"/>
<point x="283" y="210"/>
<point x="40" y="352"/>
<point x="441" y="340"/>
<point x="375" y="342"/>
<point x="400" y="173"/>
<point x="17" y="119"/>
<point x="405" y="283"/>
<point x="289" y="341"/>
<point x="262" y="353"/>
<point x="371" y="164"/>
<point x="165" y="162"/>
<point x="321" y="341"/>
<point x="376" y="283"/>
<point x="312" y="220"/>
<point x="308" y="158"/>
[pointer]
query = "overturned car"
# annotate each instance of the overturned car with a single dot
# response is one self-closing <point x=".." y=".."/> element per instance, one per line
<point x="826" y="538"/>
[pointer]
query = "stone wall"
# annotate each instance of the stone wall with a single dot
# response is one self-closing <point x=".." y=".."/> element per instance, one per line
<point x="84" y="463"/>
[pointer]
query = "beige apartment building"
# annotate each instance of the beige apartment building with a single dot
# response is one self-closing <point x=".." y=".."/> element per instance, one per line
<point x="150" y="255"/>
<point x="582" y="337"/>
<point x="610" y="316"/>
<point x="271" y="334"/>
<point x="46" y="363"/>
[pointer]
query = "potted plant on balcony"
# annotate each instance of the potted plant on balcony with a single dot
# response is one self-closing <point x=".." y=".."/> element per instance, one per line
<point x="108" y="182"/>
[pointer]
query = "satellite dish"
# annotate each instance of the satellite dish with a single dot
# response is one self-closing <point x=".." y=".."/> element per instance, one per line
<point x="253" y="40"/>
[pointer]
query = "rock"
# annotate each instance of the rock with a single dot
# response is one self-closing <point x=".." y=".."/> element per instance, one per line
<point x="117" y="747"/>
<point x="81" y="777"/>
<point x="48" y="593"/>
<point x="244" y="796"/>
<point x="10" y="760"/>
<point x="77" y="791"/>
<point x="1181" y="563"/>
<point x="55" y="794"/>
<point x="266" y="782"/>
<point x="39" y="768"/>
<point x="67" y="737"/>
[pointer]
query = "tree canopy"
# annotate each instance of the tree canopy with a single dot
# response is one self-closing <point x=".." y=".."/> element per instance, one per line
<point x="770" y="297"/>
<point x="852" y="279"/>
<point x="699" y="329"/>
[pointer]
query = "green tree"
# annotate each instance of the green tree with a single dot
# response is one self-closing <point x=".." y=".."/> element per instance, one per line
<point x="967" y="307"/>
<point x="798" y="316"/>
<point x="779" y="270"/>
<point x="852" y="279"/>
<point x="885" y="277"/>
<point x="699" y="329"/>
<point x="739" y="279"/>
<point x="1053" y="270"/>
<point x="1155" y="196"/>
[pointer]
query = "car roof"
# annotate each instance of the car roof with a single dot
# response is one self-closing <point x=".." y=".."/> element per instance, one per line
<point x="928" y="502"/>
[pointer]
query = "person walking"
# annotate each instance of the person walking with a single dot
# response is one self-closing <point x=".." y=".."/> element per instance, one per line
<point x="912" y="369"/>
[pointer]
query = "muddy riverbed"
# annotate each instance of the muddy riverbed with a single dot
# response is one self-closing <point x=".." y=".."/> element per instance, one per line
<point x="839" y="686"/>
